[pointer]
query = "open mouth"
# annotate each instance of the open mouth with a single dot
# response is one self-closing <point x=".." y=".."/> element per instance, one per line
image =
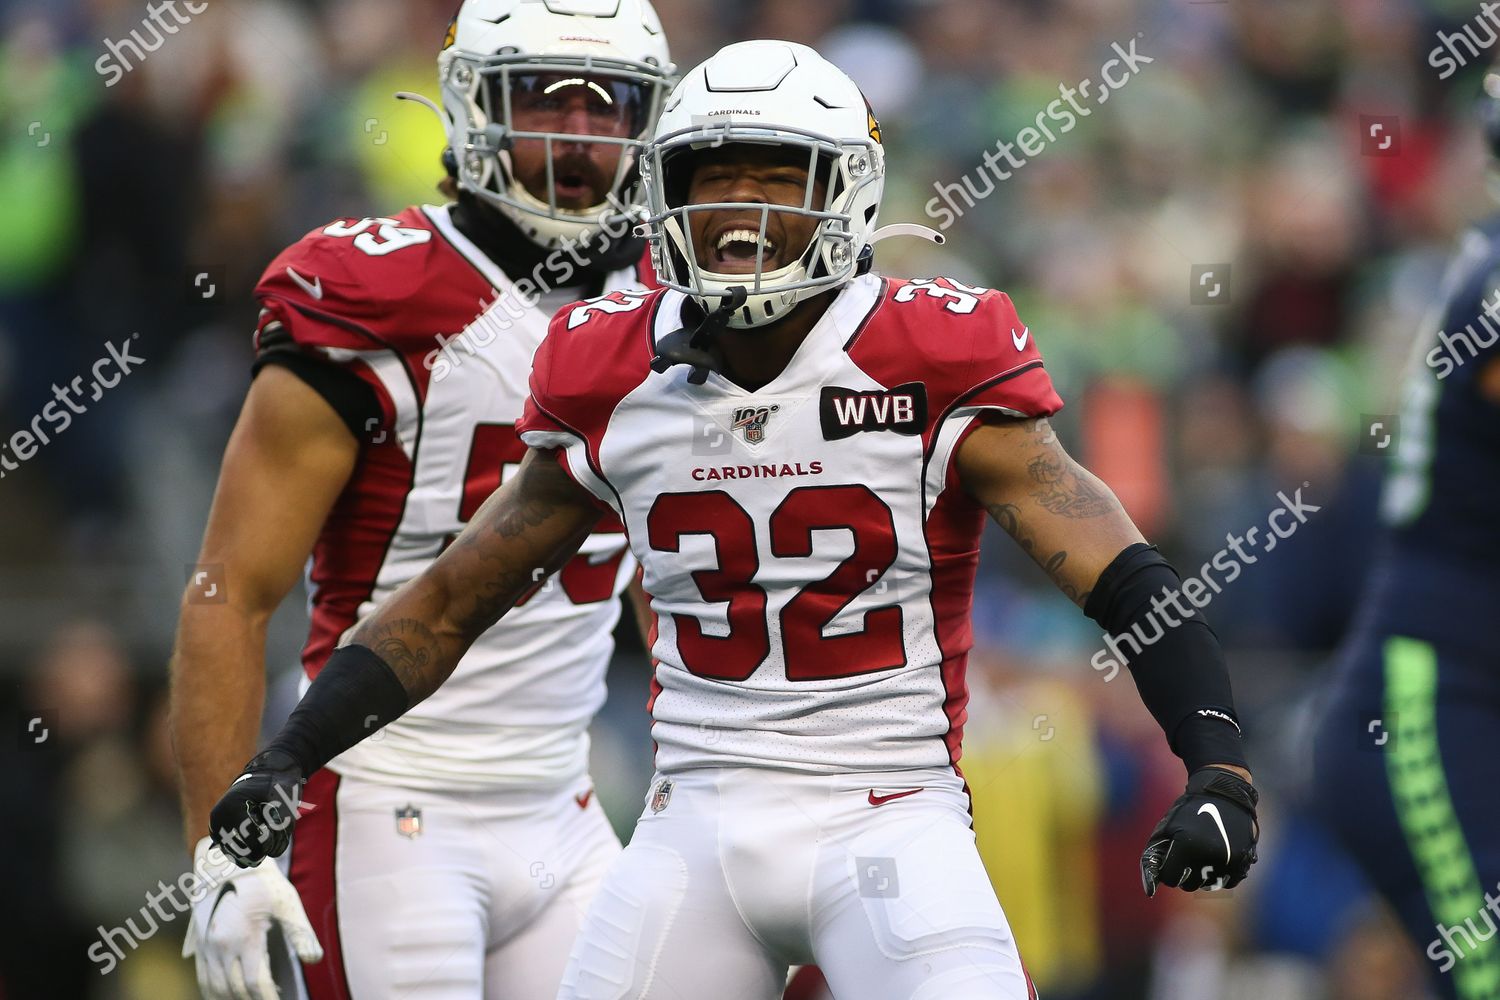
<point x="737" y="251"/>
<point x="573" y="190"/>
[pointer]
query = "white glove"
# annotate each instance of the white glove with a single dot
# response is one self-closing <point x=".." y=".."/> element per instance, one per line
<point x="228" y="928"/>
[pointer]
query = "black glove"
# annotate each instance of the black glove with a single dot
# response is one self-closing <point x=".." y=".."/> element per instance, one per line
<point x="254" y="818"/>
<point x="1207" y="838"/>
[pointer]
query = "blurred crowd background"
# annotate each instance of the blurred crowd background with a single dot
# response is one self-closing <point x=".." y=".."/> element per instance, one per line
<point x="150" y="207"/>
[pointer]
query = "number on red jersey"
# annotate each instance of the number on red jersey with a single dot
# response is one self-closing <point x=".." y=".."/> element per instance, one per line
<point x="610" y="305"/>
<point x="961" y="299"/>
<point x="390" y="237"/>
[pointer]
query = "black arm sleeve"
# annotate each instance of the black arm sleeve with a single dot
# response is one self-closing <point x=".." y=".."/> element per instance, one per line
<point x="354" y="694"/>
<point x="350" y="396"/>
<point x="1174" y="656"/>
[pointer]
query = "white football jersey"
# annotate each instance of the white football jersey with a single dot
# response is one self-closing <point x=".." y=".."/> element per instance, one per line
<point x="413" y="308"/>
<point x="809" y="554"/>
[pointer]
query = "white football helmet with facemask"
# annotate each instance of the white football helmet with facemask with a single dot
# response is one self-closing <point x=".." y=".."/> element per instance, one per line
<point x="781" y="94"/>
<point x="501" y="51"/>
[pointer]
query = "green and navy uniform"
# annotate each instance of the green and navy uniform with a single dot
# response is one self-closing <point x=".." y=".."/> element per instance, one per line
<point x="1407" y="769"/>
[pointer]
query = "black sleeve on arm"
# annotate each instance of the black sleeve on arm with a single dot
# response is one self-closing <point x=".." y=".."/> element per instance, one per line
<point x="1181" y="674"/>
<point x="354" y="694"/>
<point x="350" y="396"/>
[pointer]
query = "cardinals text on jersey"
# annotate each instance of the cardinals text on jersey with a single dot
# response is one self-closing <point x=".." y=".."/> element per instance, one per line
<point x="810" y="556"/>
<point x="375" y="296"/>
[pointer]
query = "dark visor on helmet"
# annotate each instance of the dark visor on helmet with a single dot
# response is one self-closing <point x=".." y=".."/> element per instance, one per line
<point x="567" y="103"/>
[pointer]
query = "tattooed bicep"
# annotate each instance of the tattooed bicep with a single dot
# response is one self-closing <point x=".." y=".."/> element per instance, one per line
<point x="1061" y="486"/>
<point x="1060" y="514"/>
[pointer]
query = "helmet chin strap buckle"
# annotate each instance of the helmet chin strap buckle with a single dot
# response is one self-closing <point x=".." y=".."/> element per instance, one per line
<point x="689" y="347"/>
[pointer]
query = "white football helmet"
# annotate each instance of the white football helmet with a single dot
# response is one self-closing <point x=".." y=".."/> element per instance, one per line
<point x="770" y="93"/>
<point x="496" y="49"/>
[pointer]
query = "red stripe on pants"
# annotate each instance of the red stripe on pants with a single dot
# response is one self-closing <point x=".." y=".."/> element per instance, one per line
<point x="807" y="984"/>
<point x="1031" y="993"/>
<point x="314" y="844"/>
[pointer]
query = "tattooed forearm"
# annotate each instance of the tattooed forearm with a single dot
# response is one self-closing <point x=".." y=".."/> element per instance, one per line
<point x="409" y="648"/>
<point x="492" y="599"/>
<point x="540" y="491"/>
<point x="1008" y="516"/>
<point x="530" y="527"/>
<point x="1062" y="490"/>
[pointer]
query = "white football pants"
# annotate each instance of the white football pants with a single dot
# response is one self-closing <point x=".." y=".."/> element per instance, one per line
<point x="736" y="873"/>
<point x="445" y="896"/>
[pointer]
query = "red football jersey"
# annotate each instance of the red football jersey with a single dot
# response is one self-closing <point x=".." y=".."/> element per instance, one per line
<point x="445" y="340"/>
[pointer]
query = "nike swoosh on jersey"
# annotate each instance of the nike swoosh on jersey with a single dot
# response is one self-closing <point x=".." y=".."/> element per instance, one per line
<point x="880" y="800"/>
<point x="1019" y="339"/>
<point x="1213" y="812"/>
<point x="583" y="800"/>
<point x="313" y="288"/>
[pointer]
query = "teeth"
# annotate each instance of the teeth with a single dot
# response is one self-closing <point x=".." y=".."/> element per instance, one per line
<point x="745" y="236"/>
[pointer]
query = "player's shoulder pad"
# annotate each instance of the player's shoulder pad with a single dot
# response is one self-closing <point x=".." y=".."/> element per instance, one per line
<point x="596" y="351"/>
<point x="354" y="275"/>
<point x="963" y="342"/>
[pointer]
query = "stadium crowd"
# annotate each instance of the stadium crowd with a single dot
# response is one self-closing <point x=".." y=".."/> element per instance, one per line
<point x="1225" y="261"/>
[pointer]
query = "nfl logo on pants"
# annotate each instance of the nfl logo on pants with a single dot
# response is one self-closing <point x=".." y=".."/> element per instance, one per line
<point x="661" y="795"/>
<point x="409" y="822"/>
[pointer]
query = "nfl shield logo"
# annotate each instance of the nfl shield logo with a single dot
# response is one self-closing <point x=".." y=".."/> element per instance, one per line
<point x="409" y="822"/>
<point x="661" y="795"/>
<point x="752" y="420"/>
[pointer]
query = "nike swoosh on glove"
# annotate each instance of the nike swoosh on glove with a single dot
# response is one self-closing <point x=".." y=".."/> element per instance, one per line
<point x="227" y="930"/>
<point x="254" y="819"/>
<point x="1207" y="839"/>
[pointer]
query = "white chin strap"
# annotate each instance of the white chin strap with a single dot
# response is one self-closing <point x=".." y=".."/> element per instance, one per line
<point x="762" y="307"/>
<point x="544" y="227"/>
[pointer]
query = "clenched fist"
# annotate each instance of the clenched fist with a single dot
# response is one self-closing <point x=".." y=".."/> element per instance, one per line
<point x="1207" y="838"/>
<point x="254" y="818"/>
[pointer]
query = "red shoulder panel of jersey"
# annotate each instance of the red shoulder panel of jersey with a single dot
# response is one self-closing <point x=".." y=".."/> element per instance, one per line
<point x="965" y="344"/>
<point x="363" y="284"/>
<point x="596" y="352"/>
<point x="645" y="272"/>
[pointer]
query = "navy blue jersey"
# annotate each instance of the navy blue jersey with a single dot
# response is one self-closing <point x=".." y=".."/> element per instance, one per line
<point x="1439" y="577"/>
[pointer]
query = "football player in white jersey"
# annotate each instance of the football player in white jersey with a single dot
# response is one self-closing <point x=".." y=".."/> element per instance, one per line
<point x="454" y="855"/>
<point x="802" y="453"/>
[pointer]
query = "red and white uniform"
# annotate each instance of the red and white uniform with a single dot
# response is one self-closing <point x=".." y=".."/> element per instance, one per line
<point x="811" y="559"/>
<point x="412" y="866"/>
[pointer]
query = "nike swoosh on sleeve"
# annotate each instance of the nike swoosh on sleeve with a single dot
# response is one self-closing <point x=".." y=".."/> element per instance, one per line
<point x="313" y="288"/>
